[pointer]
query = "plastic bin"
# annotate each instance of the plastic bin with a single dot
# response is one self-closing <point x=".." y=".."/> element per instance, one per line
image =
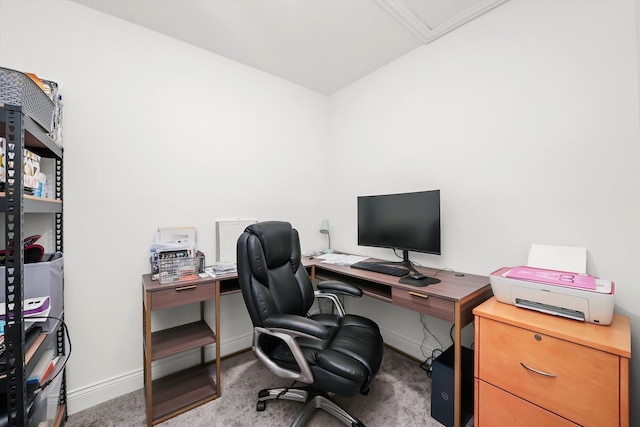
<point x="45" y="407"/>
<point x="41" y="279"/>
<point x="172" y="270"/>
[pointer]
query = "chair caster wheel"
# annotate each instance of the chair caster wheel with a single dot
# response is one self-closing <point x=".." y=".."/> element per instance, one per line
<point x="261" y="405"/>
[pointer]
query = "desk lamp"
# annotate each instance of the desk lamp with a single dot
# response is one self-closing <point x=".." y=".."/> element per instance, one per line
<point x="324" y="229"/>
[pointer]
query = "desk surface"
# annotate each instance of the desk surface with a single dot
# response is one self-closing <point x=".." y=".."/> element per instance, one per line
<point x="454" y="292"/>
<point x="228" y="283"/>
<point x="451" y="286"/>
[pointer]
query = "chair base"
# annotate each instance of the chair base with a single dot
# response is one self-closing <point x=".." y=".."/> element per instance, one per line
<point x="313" y="399"/>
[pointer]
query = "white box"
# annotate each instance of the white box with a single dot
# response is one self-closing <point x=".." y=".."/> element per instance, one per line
<point x="186" y="235"/>
<point x="227" y="233"/>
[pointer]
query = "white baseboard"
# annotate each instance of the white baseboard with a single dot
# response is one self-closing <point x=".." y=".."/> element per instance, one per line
<point x="88" y="396"/>
<point x="94" y="394"/>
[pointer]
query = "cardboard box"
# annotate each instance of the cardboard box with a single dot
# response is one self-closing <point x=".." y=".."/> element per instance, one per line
<point x="31" y="165"/>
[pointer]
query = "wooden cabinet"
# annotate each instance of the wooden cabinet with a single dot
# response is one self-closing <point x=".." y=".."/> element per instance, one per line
<point x="535" y="369"/>
<point x="176" y="393"/>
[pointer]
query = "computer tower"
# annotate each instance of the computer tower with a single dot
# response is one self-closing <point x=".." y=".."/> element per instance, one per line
<point x="442" y="380"/>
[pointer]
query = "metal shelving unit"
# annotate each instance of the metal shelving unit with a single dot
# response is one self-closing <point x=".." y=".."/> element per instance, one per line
<point x="21" y="131"/>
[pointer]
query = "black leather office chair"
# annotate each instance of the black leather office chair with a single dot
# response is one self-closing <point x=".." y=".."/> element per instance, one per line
<point x="331" y="353"/>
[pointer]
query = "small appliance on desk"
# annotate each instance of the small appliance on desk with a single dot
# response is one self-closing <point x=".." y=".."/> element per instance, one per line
<point x="573" y="295"/>
<point x="569" y="293"/>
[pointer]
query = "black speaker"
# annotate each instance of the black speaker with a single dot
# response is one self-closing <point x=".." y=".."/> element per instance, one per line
<point x="442" y="380"/>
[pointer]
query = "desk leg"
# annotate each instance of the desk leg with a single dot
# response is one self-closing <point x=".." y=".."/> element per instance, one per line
<point x="146" y="327"/>
<point x="202" y="358"/>
<point x="457" y="367"/>
<point x="217" y="329"/>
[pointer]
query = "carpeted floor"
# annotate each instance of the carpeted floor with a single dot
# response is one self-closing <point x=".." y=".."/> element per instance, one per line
<point x="400" y="396"/>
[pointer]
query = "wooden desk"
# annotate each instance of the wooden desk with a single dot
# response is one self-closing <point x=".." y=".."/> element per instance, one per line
<point x="174" y="394"/>
<point x="453" y="300"/>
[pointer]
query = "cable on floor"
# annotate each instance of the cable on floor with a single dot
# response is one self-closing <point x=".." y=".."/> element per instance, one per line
<point x="426" y="365"/>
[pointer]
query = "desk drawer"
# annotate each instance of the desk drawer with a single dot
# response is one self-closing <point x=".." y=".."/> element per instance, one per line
<point x="182" y="294"/>
<point x="573" y="381"/>
<point x="422" y="302"/>
<point x="500" y="408"/>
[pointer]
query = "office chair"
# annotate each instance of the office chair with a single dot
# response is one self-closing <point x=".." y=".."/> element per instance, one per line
<point x="331" y="353"/>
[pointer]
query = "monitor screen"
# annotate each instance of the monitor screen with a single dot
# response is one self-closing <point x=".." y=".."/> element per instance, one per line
<point x="406" y="221"/>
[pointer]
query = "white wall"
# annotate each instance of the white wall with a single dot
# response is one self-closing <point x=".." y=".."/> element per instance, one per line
<point x="527" y="119"/>
<point x="158" y="133"/>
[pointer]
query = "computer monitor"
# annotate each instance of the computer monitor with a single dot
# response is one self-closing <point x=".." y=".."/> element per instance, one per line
<point x="405" y="221"/>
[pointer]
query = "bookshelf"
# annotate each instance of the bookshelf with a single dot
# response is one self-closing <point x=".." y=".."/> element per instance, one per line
<point x="19" y="405"/>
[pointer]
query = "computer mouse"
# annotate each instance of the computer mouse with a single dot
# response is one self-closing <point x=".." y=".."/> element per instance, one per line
<point x="418" y="276"/>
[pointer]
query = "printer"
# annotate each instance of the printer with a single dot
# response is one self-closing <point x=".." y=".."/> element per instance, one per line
<point x="576" y="296"/>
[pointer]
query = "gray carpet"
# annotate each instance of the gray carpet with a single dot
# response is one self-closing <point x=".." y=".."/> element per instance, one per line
<point x="400" y="396"/>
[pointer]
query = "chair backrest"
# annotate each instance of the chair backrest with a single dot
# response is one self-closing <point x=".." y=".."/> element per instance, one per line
<point x="271" y="275"/>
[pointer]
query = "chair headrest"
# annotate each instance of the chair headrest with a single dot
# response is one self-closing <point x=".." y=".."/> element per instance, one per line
<point x="275" y="239"/>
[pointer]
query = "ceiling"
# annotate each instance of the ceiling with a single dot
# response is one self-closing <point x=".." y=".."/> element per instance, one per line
<point x="323" y="45"/>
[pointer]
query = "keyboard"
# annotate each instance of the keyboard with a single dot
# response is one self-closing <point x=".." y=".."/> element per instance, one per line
<point x="381" y="268"/>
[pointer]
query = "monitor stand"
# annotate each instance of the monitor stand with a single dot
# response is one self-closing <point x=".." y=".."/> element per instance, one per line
<point x="426" y="281"/>
<point x="407" y="280"/>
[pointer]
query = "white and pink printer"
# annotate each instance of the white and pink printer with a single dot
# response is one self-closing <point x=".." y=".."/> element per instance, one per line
<point x="578" y="296"/>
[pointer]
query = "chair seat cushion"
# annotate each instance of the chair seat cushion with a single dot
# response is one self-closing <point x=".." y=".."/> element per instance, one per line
<point x="342" y="365"/>
<point x="354" y="352"/>
<point x="358" y="338"/>
<point x="333" y="321"/>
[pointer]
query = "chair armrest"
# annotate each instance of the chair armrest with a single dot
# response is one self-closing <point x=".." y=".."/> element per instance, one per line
<point x="297" y="324"/>
<point x="288" y="327"/>
<point x="337" y="287"/>
<point x="331" y="288"/>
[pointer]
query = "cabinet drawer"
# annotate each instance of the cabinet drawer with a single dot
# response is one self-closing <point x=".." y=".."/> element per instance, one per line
<point x="423" y="303"/>
<point x="499" y="408"/>
<point x="573" y="381"/>
<point x="182" y="294"/>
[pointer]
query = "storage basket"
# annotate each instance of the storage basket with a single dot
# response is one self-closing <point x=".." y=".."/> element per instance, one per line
<point x="42" y="279"/>
<point x="176" y="269"/>
<point x="18" y="89"/>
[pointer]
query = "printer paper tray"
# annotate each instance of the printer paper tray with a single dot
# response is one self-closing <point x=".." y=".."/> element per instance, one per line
<point x="550" y="309"/>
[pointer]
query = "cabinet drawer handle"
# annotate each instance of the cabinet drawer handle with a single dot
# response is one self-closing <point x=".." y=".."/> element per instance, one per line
<point x="186" y="288"/>
<point x="415" y="294"/>
<point x="546" y="374"/>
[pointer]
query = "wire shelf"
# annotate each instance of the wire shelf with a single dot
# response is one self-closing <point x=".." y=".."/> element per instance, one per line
<point x="176" y="269"/>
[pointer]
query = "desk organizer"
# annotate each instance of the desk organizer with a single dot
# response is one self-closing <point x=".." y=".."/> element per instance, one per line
<point x="175" y="269"/>
<point x="41" y="279"/>
<point x="18" y="89"/>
